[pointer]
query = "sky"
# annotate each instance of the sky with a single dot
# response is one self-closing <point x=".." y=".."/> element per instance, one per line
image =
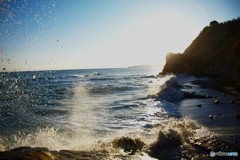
<point x="63" y="34"/>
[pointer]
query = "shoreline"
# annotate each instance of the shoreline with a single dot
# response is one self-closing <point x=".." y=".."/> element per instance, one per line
<point x="219" y="110"/>
<point x="198" y="105"/>
<point x="219" y="86"/>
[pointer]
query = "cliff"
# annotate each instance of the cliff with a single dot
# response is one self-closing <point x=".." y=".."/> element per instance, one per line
<point x="214" y="53"/>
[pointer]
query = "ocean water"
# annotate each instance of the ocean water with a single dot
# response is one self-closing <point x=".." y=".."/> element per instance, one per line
<point x="85" y="109"/>
<point x="59" y="105"/>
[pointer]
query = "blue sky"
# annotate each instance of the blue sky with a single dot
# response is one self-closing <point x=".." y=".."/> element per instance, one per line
<point x="62" y="34"/>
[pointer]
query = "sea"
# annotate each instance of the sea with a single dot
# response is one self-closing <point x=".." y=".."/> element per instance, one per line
<point x="81" y="109"/>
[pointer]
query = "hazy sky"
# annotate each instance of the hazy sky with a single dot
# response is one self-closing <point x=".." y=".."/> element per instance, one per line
<point x="63" y="34"/>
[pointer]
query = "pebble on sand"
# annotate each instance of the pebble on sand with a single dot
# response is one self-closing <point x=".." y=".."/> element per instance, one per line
<point x="238" y="116"/>
<point x="199" y="105"/>
<point x="216" y="101"/>
<point x="210" y="116"/>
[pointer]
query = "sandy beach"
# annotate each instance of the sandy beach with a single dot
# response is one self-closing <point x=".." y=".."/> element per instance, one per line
<point x="219" y="111"/>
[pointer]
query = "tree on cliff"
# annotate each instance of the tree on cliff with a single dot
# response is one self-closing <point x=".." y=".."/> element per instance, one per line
<point x="213" y="23"/>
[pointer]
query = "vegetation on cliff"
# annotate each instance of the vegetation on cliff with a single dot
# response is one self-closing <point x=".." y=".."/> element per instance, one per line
<point x="214" y="53"/>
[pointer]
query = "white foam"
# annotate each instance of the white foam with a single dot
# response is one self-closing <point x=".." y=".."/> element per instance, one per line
<point x="170" y="90"/>
<point x="51" y="138"/>
<point x="157" y="86"/>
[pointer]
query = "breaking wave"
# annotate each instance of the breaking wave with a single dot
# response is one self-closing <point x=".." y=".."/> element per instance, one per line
<point x="56" y="139"/>
<point x="171" y="90"/>
<point x="50" y="137"/>
<point x="171" y="139"/>
<point x="109" y="89"/>
<point x="120" y="113"/>
<point x="102" y="79"/>
<point x="85" y="75"/>
<point x="149" y="76"/>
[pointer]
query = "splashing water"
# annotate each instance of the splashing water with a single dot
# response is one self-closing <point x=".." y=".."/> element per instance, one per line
<point x="110" y="111"/>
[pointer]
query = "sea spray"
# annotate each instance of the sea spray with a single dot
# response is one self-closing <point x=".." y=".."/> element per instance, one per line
<point x="174" y="138"/>
<point x="63" y="113"/>
<point x="156" y="88"/>
<point x="170" y="133"/>
<point x="171" y="90"/>
<point x="166" y="140"/>
<point x="43" y="137"/>
<point x="51" y="138"/>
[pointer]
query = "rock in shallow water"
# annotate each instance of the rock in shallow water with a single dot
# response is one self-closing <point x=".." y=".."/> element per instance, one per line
<point x="26" y="153"/>
<point x="128" y="144"/>
<point x="199" y="105"/>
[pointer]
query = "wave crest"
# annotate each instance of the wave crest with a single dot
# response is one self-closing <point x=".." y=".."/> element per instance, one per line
<point x="85" y="75"/>
<point x="109" y="89"/>
<point x="46" y="137"/>
<point x="171" y="90"/>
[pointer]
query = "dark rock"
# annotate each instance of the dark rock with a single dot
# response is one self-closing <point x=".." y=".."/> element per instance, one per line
<point x="210" y="116"/>
<point x="202" y="148"/>
<point x="36" y="156"/>
<point x="193" y="95"/>
<point x="165" y="144"/>
<point x="79" y="155"/>
<point x="128" y="144"/>
<point x="26" y="153"/>
<point x="232" y="101"/>
<point x="208" y="96"/>
<point x="238" y="116"/>
<point x="199" y="105"/>
<point x="216" y="101"/>
<point x="24" y="149"/>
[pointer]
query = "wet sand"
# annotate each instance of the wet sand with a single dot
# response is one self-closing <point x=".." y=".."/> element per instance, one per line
<point x="218" y="109"/>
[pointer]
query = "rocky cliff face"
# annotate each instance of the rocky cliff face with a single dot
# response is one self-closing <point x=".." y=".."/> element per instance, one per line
<point x="214" y="53"/>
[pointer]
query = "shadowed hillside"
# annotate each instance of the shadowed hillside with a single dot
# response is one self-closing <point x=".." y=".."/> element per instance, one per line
<point x="214" y="53"/>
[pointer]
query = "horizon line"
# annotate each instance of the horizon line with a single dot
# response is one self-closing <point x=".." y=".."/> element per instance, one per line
<point x="68" y="69"/>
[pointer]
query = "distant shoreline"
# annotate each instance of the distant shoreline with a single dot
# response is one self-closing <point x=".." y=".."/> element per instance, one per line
<point x="145" y="66"/>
